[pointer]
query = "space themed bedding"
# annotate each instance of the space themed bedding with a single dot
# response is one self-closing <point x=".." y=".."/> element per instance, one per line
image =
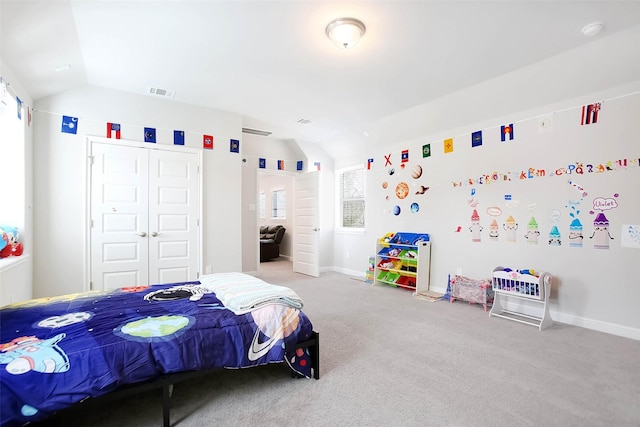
<point x="58" y="351"/>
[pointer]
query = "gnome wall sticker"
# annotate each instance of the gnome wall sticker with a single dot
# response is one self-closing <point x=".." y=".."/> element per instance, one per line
<point x="532" y="232"/>
<point x="555" y="238"/>
<point x="601" y="235"/>
<point x="494" y="230"/>
<point x="575" y="233"/>
<point x="475" y="228"/>
<point x="510" y="226"/>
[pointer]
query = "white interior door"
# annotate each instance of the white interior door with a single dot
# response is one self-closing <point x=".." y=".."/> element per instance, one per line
<point x="306" y="225"/>
<point x="119" y="214"/>
<point x="144" y="216"/>
<point x="173" y="219"/>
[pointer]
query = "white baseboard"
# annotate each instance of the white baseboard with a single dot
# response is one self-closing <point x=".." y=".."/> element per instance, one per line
<point x="569" y="319"/>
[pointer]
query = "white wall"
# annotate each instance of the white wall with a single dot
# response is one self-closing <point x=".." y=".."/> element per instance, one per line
<point x="59" y="177"/>
<point x="595" y="288"/>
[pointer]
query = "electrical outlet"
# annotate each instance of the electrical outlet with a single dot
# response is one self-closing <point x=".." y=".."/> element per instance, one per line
<point x="545" y="124"/>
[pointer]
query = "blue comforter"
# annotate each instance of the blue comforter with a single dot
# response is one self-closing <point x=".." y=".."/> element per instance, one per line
<point x="58" y="351"/>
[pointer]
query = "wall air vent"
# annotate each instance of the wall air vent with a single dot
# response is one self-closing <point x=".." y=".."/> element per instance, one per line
<point x="163" y="93"/>
<point x="256" y="132"/>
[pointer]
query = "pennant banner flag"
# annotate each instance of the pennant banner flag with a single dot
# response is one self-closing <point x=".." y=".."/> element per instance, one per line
<point x="178" y="137"/>
<point x="69" y="124"/>
<point x="404" y="156"/>
<point x="280" y="165"/>
<point x="476" y="138"/>
<point x="590" y="113"/>
<point x="262" y="163"/>
<point x="448" y="145"/>
<point x="28" y="116"/>
<point x="317" y="165"/>
<point x="506" y="132"/>
<point x="113" y="130"/>
<point x="426" y="150"/>
<point x="19" y="107"/>
<point x="369" y="161"/>
<point x="150" y="135"/>
<point x="207" y="142"/>
<point x="234" y="146"/>
<point x="299" y="165"/>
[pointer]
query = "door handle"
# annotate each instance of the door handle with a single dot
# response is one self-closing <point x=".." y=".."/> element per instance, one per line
<point x="316" y="229"/>
<point x="141" y="234"/>
<point x="154" y="234"/>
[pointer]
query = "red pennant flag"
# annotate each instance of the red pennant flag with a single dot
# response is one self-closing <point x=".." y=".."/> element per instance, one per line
<point x="207" y="142"/>
<point x="113" y="130"/>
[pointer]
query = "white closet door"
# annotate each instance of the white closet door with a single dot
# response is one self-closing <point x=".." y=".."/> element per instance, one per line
<point x="173" y="216"/>
<point x="119" y="213"/>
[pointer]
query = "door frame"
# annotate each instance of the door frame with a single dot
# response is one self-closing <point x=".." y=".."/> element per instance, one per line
<point x="89" y="140"/>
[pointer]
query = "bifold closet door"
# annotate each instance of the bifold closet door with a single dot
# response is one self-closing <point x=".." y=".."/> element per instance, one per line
<point x="144" y="216"/>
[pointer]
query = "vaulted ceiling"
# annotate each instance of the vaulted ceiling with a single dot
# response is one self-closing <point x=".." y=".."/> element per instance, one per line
<point x="271" y="61"/>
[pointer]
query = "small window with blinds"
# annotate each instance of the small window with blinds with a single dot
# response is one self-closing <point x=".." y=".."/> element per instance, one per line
<point x="351" y="192"/>
<point x="278" y="204"/>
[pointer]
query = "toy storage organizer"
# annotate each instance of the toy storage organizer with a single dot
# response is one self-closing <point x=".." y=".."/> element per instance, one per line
<point x="402" y="260"/>
<point x="517" y="288"/>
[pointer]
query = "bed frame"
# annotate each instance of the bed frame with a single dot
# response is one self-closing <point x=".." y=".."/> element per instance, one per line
<point x="166" y="382"/>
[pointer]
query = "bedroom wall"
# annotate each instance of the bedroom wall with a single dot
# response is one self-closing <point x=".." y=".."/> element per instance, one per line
<point x="595" y="288"/>
<point x="59" y="181"/>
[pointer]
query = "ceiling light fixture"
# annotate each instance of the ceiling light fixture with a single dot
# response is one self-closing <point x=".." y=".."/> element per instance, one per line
<point x="345" y="32"/>
<point x="592" y="29"/>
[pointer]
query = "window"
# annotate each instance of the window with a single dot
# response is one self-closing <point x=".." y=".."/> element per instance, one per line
<point x="261" y="203"/>
<point x="351" y="194"/>
<point x="12" y="152"/>
<point x="278" y="204"/>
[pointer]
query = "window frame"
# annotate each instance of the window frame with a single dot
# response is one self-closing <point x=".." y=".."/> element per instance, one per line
<point x="340" y="205"/>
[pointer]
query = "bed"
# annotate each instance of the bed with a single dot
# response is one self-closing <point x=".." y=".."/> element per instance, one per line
<point x="57" y="352"/>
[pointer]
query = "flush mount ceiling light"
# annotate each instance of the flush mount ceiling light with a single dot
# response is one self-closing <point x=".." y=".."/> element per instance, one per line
<point x="592" y="29"/>
<point x="345" y="32"/>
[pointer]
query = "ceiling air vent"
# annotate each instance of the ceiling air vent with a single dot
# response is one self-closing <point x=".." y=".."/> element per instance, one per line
<point x="305" y="121"/>
<point x="164" y="93"/>
<point x="256" y="132"/>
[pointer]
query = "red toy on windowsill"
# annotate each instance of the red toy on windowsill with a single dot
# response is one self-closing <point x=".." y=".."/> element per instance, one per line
<point x="9" y="245"/>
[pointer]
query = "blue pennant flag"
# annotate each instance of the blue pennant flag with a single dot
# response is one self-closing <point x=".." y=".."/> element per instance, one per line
<point x="150" y="135"/>
<point x="262" y="163"/>
<point x="234" y="146"/>
<point x="476" y="139"/>
<point x="69" y="124"/>
<point x="299" y="165"/>
<point x="178" y="137"/>
<point x="19" y="105"/>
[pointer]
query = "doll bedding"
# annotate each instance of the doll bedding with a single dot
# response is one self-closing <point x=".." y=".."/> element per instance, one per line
<point x="59" y="351"/>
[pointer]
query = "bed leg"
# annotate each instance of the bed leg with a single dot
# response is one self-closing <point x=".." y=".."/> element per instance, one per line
<point x="315" y="354"/>
<point x="166" y="395"/>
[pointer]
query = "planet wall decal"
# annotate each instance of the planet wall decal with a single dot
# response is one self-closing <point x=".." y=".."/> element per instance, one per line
<point x="396" y="210"/>
<point x="415" y="207"/>
<point x="416" y="172"/>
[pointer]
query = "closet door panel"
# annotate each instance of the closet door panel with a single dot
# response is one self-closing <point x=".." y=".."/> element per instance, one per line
<point x="173" y="217"/>
<point x="119" y="214"/>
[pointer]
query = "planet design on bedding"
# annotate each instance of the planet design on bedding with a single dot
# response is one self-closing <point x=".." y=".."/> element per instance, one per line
<point x="163" y="327"/>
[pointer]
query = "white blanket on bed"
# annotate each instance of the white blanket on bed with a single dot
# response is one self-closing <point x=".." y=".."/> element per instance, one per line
<point x="242" y="293"/>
